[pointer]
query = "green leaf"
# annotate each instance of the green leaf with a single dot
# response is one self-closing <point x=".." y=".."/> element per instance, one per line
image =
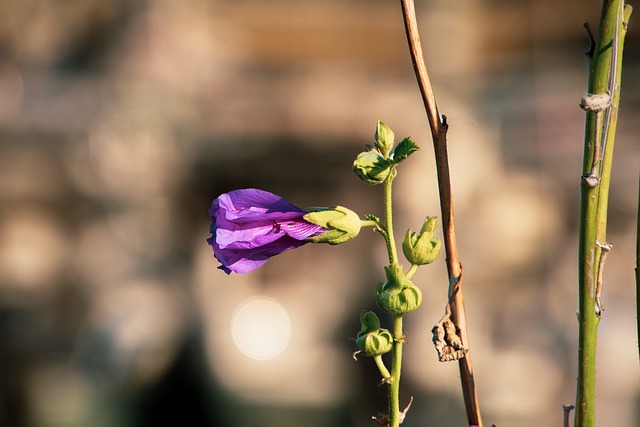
<point x="405" y="148"/>
<point x="370" y="217"/>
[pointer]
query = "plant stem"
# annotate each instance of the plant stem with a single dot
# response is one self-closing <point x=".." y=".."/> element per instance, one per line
<point x="383" y="369"/>
<point x="411" y="271"/>
<point x="396" y="361"/>
<point x="388" y="220"/>
<point x="369" y="223"/>
<point x="396" y="365"/>
<point x="605" y="71"/>
<point x="454" y="267"/>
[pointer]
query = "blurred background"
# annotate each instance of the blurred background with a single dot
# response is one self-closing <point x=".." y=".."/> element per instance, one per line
<point x="120" y="121"/>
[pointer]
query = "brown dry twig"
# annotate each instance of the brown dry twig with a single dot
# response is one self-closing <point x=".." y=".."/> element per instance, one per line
<point x="454" y="267"/>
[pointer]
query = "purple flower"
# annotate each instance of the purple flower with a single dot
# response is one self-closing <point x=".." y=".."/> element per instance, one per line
<point x="250" y="226"/>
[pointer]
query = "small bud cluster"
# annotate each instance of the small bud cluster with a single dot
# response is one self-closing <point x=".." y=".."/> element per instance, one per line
<point x="378" y="163"/>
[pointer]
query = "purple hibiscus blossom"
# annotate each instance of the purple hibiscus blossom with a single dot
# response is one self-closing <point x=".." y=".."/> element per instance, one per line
<point x="250" y="226"/>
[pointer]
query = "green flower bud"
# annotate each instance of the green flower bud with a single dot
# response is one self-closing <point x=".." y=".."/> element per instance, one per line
<point x="342" y="224"/>
<point x="384" y="139"/>
<point x="371" y="167"/>
<point x="398" y="295"/>
<point x="422" y="248"/>
<point x="372" y="340"/>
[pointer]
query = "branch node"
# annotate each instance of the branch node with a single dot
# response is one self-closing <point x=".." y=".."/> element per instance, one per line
<point x="591" y="180"/>
<point x="383" y="419"/>
<point x="595" y="102"/>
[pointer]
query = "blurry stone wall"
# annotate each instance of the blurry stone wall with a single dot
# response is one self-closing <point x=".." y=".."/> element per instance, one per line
<point x="120" y="121"/>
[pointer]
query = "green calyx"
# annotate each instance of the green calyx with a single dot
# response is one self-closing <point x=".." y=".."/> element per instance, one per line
<point x="371" y="167"/>
<point x="371" y="340"/>
<point x="342" y="224"/>
<point x="398" y="295"/>
<point x="422" y="248"/>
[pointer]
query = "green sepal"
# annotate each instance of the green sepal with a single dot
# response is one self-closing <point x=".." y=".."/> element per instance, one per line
<point x="398" y="295"/>
<point x="404" y="149"/>
<point x="342" y="224"/>
<point x="369" y="322"/>
<point x="422" y="248"/>
<point x="371" y="340"/>
<point x="370" y="217"/>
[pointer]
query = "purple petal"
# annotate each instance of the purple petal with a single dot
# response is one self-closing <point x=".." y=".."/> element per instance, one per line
<point x="244" y="261"/>
<point x="252" y="204"/>
<point x="249" y="226"/>
<point x="301" y="229"/>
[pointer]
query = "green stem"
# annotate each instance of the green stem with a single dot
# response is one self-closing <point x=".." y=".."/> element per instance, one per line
<point x="396" y="365"/>
<point x="411" y="271"/>
<point x="604" y="69"/>
<point x="369" y="223"/>
<point x="388" y="219"/>
<point x="396" y="361"/>
<point x="383" y="369"/>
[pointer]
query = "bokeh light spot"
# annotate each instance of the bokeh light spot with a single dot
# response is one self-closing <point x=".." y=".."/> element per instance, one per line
<point x="261" y="328"/>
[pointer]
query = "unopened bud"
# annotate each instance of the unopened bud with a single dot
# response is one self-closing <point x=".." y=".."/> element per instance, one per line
<point x="371" y="167"/>
<point x="398" y="295"/>
<point x="372" y="340"/>
<point x="422" y="248"/>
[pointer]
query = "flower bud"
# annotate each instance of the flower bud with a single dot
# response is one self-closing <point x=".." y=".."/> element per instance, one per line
<point x="371" y="167"/>
<point x="384" y="139"/>
<point x="342" y="224"/>
<point x="372" y="340"/>
<point x="398" y="295"/>
<point x="422" y="248"/>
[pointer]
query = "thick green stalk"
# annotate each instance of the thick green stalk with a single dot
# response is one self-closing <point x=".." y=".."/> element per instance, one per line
<point x="396" y="366"/>
<point x="605" y="72"/>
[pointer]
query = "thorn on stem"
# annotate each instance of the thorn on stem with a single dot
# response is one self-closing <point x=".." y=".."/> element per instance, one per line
<point x="592" y="41"/>
<point x="566" y="409"/>
<point x="445" y="124"/>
